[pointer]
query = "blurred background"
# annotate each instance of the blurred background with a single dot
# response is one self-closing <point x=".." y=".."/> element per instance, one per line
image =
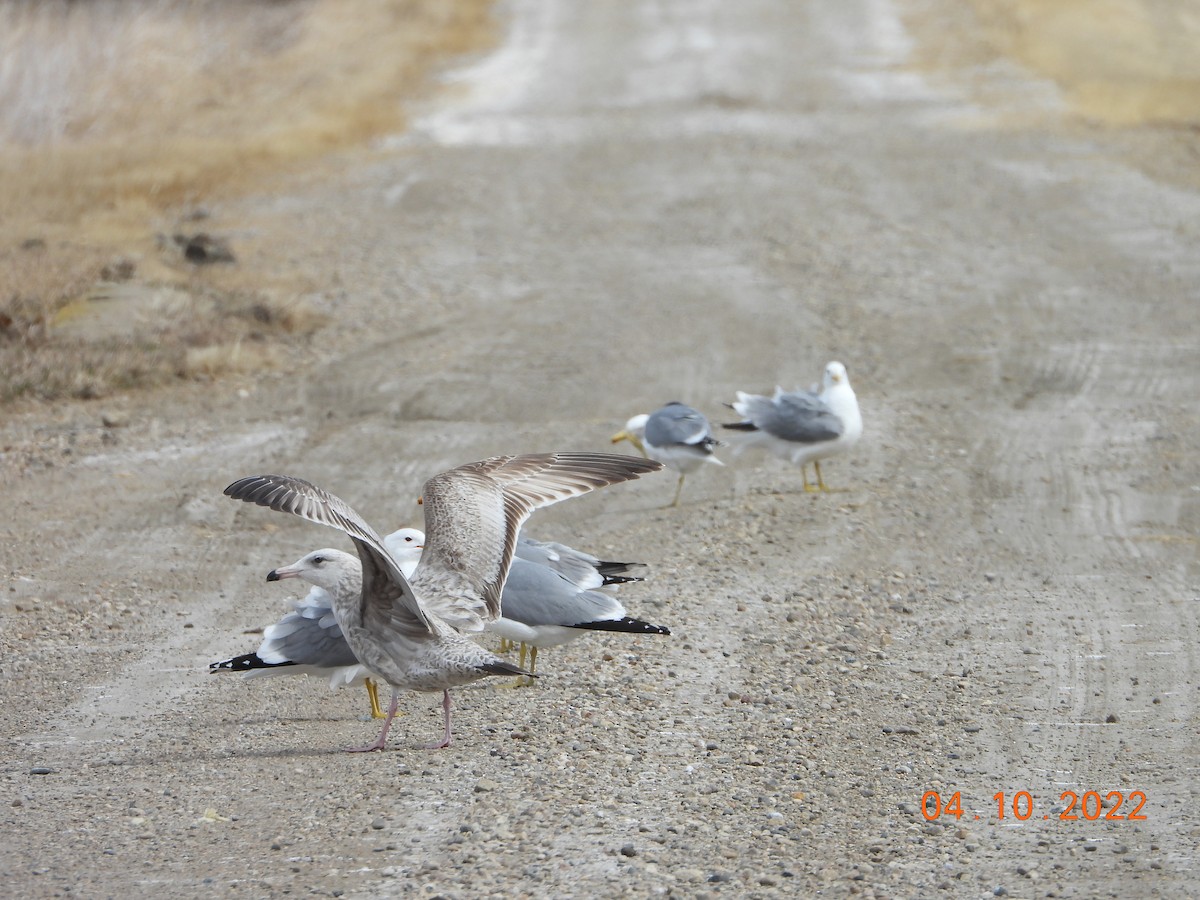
<point x="158" y="101"/>
<point x="119" y="119"/>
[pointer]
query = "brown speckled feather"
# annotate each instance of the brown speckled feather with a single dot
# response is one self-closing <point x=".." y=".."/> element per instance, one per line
<point x="473" y="514"/>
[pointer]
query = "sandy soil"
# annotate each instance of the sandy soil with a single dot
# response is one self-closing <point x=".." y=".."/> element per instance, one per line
<point x="626" y="204"/>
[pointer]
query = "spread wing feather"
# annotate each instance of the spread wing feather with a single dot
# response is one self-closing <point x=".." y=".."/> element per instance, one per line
<point x="473" y="514"/>
<point x="387" y="598"/>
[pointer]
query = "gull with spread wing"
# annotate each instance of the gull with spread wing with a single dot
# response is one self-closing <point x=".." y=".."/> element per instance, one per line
<point x="412" y="636"/>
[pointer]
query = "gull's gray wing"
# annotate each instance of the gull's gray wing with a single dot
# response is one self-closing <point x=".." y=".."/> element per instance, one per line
<point x="309" y="635"/>
<point x="675" y="424"/>
<point x="801" y="416"/>
<point x="582" y="569"/>
<point x="536" y="595"/>
<point x="804" y="418"/>
<point x="474" y="512"/>
<point x="576" y="566"/>
<point x="387" y="599"/>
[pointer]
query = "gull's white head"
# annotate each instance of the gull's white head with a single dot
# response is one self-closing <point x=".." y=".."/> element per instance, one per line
<point x="405" y="546"/>
<point x="634" y="432"/>
<point x="325" y="568"/>
<point x="835" y="373"/>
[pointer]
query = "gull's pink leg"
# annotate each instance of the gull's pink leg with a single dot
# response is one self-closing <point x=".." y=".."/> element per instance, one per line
<point x="381" y="741"/>
<point x="446" y="738"/>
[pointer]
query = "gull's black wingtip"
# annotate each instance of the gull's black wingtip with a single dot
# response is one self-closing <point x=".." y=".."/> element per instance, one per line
<point x="626" y="624"/>
<point x="244" y="663"/>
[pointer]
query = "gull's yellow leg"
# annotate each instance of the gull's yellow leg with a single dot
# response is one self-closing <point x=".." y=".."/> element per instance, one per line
<point x="820" y="480"/>
<point x="678" y="490"/>
<point x="521" y="680"/>
<point x="505" y="646"/>
<point x="373" y="692"/>
<point x="810" y="488"/>
<point x="528" y="681"/>
<point x="632" y="438"/>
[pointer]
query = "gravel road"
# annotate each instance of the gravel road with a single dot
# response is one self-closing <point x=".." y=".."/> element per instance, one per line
<point x="624" y="204"/>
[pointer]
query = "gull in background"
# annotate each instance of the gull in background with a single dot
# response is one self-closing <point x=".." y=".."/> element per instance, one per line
<point x="801" y="426"/>
<point x="412" y="636"/>
<point x="676" y="435"/>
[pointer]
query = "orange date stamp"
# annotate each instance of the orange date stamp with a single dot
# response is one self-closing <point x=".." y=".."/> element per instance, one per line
<point x="1072" y="807"/>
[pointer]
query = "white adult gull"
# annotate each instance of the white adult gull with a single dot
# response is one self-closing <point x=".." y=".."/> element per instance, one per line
<point x="308" y="639"/>
<point x="550" y="597"/>
<point x="411" y="635"/>
<point x="801" y="426"/>
<point x="542" y="608"/>
<point x="676" y="435"/>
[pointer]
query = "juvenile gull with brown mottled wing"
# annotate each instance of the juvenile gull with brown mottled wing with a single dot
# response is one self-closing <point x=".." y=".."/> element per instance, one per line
<point x="410" y="634"/>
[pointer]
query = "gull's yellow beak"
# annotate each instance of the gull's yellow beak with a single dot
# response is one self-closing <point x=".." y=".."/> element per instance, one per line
<point x="632" y="438"/>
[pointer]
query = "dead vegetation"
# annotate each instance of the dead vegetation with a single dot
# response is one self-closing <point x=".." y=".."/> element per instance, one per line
<point x="115" y="117"/>
<point x="85" y="328"/>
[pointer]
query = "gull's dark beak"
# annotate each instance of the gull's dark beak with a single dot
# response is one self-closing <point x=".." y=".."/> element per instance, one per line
<point x="273" y="575"/>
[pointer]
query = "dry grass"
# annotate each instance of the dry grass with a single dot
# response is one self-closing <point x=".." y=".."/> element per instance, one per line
<point x="68" y="332"/>
<point x="114" y="115"/>
<point x="165" y="102"/>
<point x="1118" y="63"/>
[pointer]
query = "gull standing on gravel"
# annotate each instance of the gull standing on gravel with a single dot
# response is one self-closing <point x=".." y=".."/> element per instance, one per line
<point x="801" y="426"/>
<point x="308" y="639"/>
<point x="542" y="608"/>
<point x="676" y="435"/>
<point x="411" y="635"/>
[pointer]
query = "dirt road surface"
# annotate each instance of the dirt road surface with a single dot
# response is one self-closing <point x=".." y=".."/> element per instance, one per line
<point x="625" y="204"/>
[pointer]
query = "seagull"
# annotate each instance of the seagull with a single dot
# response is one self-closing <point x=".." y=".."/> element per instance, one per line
<point x="550" y="599"/>
<point x="676" y="435"/>
<point x="539" y="607"/>
<point x="308" y="639"/>
<point x="411" y="635"/>
<point x="542" y="608"/>
<point x="802" y="426"/>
